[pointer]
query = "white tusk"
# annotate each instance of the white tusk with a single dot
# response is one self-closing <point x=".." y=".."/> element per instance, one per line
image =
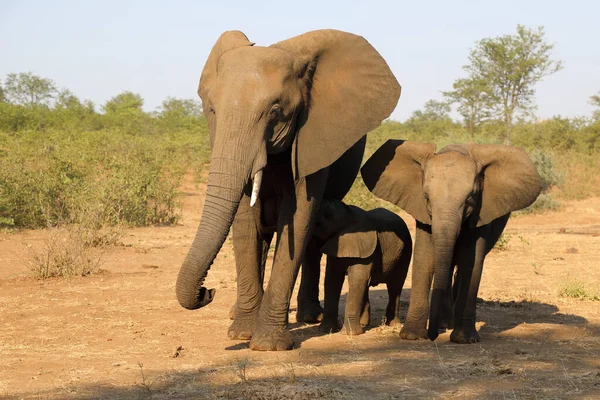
<point x="255" y="187"/>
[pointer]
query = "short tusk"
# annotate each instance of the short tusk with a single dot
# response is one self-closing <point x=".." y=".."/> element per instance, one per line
<point x="255" y="187"/>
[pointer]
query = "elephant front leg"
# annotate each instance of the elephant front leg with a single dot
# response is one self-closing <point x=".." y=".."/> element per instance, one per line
<point x="415" y="326"/>
<point x="309" y="308"/>
<point x="471" y="254"/>
<point x="358" y="285"/>
<point x="470" y="270"/>
<point x="297" y="214"/>
<point x="334" y="280"/>
<point x="250" y="250"/>
<point x="448" y="304"/>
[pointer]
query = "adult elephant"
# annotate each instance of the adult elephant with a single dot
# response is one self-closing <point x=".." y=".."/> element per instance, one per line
<point x="292" y="116"/>
<point x="461" y="198"/>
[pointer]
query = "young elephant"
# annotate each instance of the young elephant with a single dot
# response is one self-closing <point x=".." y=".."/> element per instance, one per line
<point x="461" y="198"/>
<point x="372" y="247"/>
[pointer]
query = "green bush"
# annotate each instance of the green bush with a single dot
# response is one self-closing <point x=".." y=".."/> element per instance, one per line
<point x="49" y="178"/>
<point x="575" y="289"/>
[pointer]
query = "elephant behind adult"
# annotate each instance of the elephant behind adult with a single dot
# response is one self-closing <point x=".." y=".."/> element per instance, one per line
<point x="288" y="113"/>
<point x="461" y="198"/>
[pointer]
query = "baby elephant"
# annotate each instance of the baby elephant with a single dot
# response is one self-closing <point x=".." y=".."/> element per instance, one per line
<point x="372" y="247"/>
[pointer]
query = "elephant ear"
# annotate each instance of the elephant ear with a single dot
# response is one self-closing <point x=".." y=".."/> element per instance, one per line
<point x="227" y="41"/>
<point x="395" y="173"/>
<point x="351" y="243"/>
<point x="350" y="90"/>
<point x="510" y="180"/>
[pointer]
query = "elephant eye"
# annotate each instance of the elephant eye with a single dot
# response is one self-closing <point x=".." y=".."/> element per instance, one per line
<point x="276" y="111"/>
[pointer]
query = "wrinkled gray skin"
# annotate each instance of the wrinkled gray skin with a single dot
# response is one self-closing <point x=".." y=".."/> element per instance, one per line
<point x="297" y="112"/>
<point x="372" y="247"/>
<point x="461" y="197"/>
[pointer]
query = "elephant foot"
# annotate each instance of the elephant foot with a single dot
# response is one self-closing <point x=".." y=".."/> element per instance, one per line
<point x="464" y="335"/>
<point x="352" y="329"/>
<point x="279" y="339"/>
<point x="309" y="312"/>
<point x="393" y="322"/>
<point x="329" y="325"/>
<point x="411" y="332"/>
<point x="232" y="311"/>
<point x="242" y="328"/>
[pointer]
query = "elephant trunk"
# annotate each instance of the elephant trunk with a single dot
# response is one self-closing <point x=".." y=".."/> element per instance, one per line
<point x="226" y="181"/>
<point x="445" y="230"/>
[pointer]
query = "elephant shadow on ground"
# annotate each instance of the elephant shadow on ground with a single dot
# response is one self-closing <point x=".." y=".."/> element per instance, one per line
<point x="497" y="316"/>
<point x="501" y="316"/>
<point x="303" y="331"/>
<point x="378" y="298"/>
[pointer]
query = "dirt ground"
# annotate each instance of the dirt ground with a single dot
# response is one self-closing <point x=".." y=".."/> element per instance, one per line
<point x="121" y="333"/>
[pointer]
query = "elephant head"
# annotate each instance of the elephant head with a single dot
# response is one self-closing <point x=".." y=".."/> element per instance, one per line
<point x="466" y="185"/>
<point x="314" y="96"/>
<point x="346" y="230"/>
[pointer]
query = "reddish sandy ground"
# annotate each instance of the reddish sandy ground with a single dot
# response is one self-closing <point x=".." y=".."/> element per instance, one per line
<point x="121" y="333"/>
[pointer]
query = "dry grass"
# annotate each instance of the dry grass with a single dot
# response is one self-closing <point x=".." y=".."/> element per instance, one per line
<point x="73" y="250"/>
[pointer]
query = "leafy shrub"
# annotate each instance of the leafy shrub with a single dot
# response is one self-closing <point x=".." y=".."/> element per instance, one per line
<point x="49" y="178"/>
<point x="546" y="167"/>
<point x="575" y="289"/>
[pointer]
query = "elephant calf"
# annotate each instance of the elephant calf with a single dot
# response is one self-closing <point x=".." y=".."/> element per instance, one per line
<point x="461" y="198"/>
<point x="372" y="247"/>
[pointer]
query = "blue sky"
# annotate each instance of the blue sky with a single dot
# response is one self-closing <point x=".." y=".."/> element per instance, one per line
<point x="98" y="49"/>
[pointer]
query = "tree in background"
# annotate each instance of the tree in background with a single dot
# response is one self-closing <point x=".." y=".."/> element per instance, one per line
<point x="2" y="95"/>
<point x="471" y="95"/>
<point x="124" y="102"/>
<point x="179" y="113"/>
<point x="433" y="110"/>
<point x="595" y="101"/>
<point x="72" y="114"/>
<point x="28" y="89"/>
<point x="125" y="111"/>
<point x="511" y="66"/>
<point x="432" y="121"/>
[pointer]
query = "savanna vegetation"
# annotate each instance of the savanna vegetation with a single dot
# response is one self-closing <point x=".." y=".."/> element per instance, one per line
<point x="65" y="162"/>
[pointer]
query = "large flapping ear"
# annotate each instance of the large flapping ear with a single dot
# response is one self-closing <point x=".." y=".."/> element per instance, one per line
<point x="351" y="89"/>
<point x="395" y="173"/>
<point x="227" y="41"/>
<point x="357" y="240"/>
<point x="510" y="180"/>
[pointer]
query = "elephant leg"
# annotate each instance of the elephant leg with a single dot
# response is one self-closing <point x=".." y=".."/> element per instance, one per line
<point x="334" y="280"/>
<point x="358" y="283"/>
<point x="365" y="315"/>
<point x="392" y="311"/>
<point x="297" y="215"/>
<point x="471" y="252"/>
<point x="250" y="250"/>
<point x="415" y="326"/>
<point x="447" y="306"/>
<point x="394" y="287"/>
<point x="309" y="308"/>
<point x="471" y="267"/>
